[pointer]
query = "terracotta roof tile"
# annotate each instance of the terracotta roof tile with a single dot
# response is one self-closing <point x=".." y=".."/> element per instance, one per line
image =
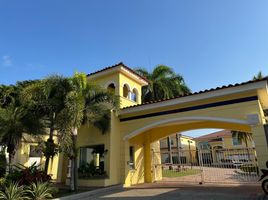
<point x="201" y="92"/>
<point x="116" y="65"/>
<point x="215" y="135"/>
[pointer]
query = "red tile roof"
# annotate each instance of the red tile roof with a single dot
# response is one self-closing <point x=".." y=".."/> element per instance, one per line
<point x="202" y="91"/>
<point x="214" y="135"/>
<point x="116" y="65"/>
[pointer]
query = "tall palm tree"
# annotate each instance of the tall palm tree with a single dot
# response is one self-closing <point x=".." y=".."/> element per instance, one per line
<point x="48" y="97"/>
<point x="163" y="83"/>
<point x="245" y="137"/>
<point x="85" y="104"/>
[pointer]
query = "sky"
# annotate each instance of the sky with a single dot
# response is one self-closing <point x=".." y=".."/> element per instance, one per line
<point x="210" y="42"/>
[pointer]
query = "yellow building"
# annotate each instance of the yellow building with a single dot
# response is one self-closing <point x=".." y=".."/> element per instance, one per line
<point x="181" y="148"/>
<point x="125" y="154"/>
<point x="224" y="147"/>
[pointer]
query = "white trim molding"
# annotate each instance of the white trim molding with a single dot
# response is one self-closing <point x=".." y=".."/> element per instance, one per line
<point x="180" y="120"/>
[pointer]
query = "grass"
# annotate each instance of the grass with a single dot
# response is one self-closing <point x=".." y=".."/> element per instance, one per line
<point x="172" y="173"/>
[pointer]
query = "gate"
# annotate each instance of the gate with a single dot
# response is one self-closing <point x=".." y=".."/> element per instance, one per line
<point x="208" y="166"/>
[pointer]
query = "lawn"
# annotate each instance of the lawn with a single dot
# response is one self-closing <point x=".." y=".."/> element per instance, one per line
<point x="172" y="173"/>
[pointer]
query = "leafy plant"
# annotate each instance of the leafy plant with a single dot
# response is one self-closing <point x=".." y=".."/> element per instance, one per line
<point x="14" y="192"/>
<point x="41" y="191"/>
<point x="28" y="175"/>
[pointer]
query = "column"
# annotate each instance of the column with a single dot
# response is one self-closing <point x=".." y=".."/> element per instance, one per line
<point x="147" y="162"/>
<point x="260" y="139"/>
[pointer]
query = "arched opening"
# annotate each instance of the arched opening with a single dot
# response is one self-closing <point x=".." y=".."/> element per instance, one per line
<point x="111" y="88"/>
<point x="126" y="91"/>
<point x="134" y="95"/>
<point x="191" y="159"/>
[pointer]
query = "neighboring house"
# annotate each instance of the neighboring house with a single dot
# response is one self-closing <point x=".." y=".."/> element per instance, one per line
<point x="182" y="149"/>
<point x="223" y="146"/>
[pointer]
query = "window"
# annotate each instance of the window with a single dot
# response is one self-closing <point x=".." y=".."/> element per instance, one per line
<point x="92" y="155"/>
<point x="134" y="95"/>
<point x="131" y="157"/>
<point x="237" y="141"/>
<point x="35" y="151"/>
<point x="126" y="91"/>
<point x="172" y="142"/>
<point x="111" y="88"/>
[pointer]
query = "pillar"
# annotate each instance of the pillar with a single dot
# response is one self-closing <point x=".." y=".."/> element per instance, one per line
<point x="147" y="162"/>
<point x="260" y="139"/>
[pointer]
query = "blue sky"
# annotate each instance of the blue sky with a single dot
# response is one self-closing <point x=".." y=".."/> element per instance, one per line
<point x="210" y="42"/>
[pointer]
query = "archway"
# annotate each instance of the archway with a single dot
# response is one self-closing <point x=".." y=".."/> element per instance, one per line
<point x="202" y="165"/>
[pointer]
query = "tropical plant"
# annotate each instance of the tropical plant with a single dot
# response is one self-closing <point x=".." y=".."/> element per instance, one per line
<point x="14" y="121"/>
<point x="48" y="97"/>
<point x="27" y="175"/>
<point x="85" y="104"/>
<point x="14" y="192"/>
<point x="163" y="83"/>
<point x="258" y="76"/>
<point x="245" y="137"/>
<point x="41" y="191"/>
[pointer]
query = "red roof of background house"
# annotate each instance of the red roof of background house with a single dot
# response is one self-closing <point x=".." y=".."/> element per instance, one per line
<point x="218" y="134"/>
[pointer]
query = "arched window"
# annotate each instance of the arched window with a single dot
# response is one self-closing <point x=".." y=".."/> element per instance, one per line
<point x="126" y="91"/>
<point x="111" y="88"/>
<point x="134" y="95"/>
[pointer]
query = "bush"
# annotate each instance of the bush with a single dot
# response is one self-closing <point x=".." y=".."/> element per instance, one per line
<point x="28" y="175"/>
<point x="13" y="192"/>
<point x="41" y="191"/>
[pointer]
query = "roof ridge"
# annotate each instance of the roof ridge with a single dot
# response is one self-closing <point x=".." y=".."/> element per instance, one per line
<point x="116" y="65"/>
<point x="202" y="91"/>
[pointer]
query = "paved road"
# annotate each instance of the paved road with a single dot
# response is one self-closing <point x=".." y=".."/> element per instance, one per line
<point x="184" y="192"/>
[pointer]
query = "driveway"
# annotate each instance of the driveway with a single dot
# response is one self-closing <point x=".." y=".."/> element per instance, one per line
<point x="184" y="192"/>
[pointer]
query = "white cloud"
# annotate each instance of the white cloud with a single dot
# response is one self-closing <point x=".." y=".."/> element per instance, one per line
<point x="6" y="61"/>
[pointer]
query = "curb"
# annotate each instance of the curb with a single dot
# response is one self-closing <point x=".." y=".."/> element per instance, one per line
<point x="90" y="193"/>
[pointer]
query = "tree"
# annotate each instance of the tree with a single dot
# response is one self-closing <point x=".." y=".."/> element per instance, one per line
<point x="85" y="104"/>
<point x="164" y="83"/>
<point x="15" y="120"/>
<point x="258" y="76"/>
<point x="245" y="137"/>
<point x="47" y="97"/>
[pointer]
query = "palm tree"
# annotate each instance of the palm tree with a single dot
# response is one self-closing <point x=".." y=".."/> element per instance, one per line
<point x="85" y="104"/>
<point x="14" y="122"/>
<point x="258" y="76"/>
<point x="48" y="96"/>
<point x="163" y="83"/>
<point x="245" y="137"/>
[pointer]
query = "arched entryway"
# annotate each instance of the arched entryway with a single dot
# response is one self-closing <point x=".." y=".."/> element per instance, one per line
<point x="142" y="126"/>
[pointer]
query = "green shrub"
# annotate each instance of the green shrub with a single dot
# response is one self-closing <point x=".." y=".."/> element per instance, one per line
<point x="13" y="192"/>
<point x="41" y="191"/>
